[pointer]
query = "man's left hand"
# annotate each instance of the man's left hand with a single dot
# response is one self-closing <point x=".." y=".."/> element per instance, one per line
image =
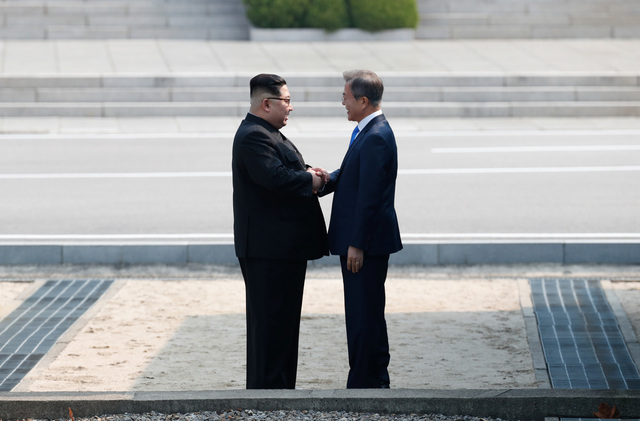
<point x="355" y="259"/>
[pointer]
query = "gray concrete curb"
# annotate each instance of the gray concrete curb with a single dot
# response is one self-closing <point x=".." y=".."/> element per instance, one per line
<point x="514" y="404"/>
<point x="431" y="254"/>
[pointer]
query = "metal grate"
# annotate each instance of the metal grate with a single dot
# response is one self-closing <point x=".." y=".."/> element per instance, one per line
<point x="582" y="342"/>
<point x="28" y="333"/>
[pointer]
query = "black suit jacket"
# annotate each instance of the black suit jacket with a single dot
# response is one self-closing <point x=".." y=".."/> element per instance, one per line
<point x="363" y="213"/>
<point x="276" y="216"/>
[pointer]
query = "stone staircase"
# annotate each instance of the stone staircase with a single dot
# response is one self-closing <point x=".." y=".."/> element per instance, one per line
<point x="486" y="19"/>
<point x="123" y="19"/>
<point x="318" y="95"/>
<point x="226" y="20"/>
<point x="423" y="95"/>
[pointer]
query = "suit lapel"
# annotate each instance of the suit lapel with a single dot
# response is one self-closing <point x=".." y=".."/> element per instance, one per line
<point x="360" y="138"/>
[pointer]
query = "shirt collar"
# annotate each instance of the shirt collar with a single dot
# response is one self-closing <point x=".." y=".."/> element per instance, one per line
<point x="363" y="123"/>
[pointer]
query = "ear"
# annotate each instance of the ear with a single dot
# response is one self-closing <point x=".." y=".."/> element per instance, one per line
<point x="364" y="102"/>
<point x="265" y="104"/>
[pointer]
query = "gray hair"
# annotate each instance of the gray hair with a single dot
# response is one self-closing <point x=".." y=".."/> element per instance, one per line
<point x="365" y="83"/>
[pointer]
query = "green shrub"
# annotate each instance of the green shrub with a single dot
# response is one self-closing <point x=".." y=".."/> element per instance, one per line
<point x="370" y="15"/>
<point x="378" y="15"/>
<point x="276" y="13"/>
<point x="327" y="14"/>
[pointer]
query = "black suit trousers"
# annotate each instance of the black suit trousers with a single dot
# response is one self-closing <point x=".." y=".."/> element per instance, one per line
<point x="367" y="340"/>
<point x="273" y="290"/>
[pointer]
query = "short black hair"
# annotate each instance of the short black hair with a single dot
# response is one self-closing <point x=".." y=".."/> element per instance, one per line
<point x="266" y="83"/>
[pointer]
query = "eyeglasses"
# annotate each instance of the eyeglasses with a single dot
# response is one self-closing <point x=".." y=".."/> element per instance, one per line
<point x="286" y="100"/>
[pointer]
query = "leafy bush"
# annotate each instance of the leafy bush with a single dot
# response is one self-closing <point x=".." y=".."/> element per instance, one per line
<point x="276" y="13"/>
<point x="378" y="15"/>
<point x="370" y="15"/>
<point x="327" y="14"/>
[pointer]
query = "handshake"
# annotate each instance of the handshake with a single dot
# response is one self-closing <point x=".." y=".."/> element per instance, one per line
<point x="320" y="178"/>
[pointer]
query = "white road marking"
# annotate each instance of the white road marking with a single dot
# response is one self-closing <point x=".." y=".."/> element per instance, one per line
<point x="598" y="235"/>
<point x="115" y="175"/>
<point x="216" y="174"/>
<point x="115" y="236"/>
<point x="520" y="149"/>
<point x="294" y="133"/>
<point x="515" y="170"/>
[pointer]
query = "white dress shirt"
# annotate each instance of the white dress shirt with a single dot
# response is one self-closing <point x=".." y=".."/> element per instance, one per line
<point x="363" y="123"/>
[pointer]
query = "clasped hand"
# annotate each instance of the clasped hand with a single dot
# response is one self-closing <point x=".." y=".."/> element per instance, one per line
<point x="320" y="178"/>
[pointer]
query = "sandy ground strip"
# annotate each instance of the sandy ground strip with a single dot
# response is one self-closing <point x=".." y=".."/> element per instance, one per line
<point x="445" y="332"/>
<point x="190" y="335"/>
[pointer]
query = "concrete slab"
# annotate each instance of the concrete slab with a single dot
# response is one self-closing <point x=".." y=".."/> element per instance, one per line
<point x="505" y="404"/>
<point x="415" y="253"/>
<point x="200" y="56"/>
<point x="47" y="254"/>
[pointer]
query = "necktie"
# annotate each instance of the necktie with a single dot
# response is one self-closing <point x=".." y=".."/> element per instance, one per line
<point x="354" y="134"/>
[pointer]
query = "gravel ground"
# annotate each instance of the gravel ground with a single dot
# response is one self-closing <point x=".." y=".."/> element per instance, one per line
<point x="250" y="415"/>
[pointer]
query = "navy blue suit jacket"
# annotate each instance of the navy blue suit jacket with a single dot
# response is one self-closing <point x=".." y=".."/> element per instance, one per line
<point x="363" y="213"/>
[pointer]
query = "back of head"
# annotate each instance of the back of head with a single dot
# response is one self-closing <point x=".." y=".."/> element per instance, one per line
<point x="265" y="85"/>
<point x="365" y="83"/>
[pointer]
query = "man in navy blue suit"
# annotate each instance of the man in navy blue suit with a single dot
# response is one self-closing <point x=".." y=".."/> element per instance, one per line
<point x="363" y="229"/>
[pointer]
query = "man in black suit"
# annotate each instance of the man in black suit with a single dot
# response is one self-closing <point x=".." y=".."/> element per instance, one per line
<point x="278" y="227"/>
<point x="363" y="229"/>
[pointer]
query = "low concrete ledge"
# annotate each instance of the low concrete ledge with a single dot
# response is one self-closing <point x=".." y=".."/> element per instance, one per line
<point x="514" y="404"/>
<point x="320" y="35"/>
<point x="424" y="254"/>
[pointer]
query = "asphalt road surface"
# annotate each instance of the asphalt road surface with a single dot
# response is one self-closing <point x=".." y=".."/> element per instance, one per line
<point x="451" y="185"/>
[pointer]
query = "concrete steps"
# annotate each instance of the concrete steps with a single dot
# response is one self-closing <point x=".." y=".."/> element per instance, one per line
<point x="226" y="20"/>
<point x="411" y="95"/>
<point x="122" y="19"/>
<point x="415" y="110"/>
<point x="315" y="95"/>
<point x="508" y="19"/>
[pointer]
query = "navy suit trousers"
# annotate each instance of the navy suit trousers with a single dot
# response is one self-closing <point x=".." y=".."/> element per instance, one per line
<point x="367" y="340"/>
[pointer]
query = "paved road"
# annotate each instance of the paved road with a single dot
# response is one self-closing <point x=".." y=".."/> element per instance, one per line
<point x="126" y="187"/>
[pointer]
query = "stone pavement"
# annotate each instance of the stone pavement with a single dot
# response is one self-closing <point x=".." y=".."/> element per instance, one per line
<point x="170" y="338"/>
<point x="176" y="57"/>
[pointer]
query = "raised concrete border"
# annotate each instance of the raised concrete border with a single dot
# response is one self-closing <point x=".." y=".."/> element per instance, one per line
<point x="320" y="35"/>
<point x="430" y="254"/>
<point x="626" y="328"/>
<point x="523" y="404"/>
<point x="533" y="336"/>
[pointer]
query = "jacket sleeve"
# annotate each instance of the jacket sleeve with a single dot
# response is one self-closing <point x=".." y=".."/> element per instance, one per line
<point x="330" y="187"/>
